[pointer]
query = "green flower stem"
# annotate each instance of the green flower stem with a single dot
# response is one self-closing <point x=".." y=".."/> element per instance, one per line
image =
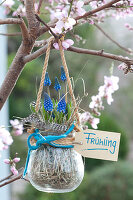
<point x="50" y="116"/>
<point x="66" y="91"/>
<point x="2" y="2"/>
<point x="70" y="8"/>
<point x="48" y="91"/>
<point x="59" y="95"/>
<point x="47" y="113"/>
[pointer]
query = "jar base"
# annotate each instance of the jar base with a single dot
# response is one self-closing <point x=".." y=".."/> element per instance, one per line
<point x="52" y="190"/>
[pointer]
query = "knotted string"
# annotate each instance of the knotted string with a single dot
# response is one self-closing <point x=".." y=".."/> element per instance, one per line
<point x="43" y="74"/>
<point x="45" y="140"/>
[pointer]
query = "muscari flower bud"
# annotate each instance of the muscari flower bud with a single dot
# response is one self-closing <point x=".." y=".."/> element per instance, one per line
<point x="63" y="76"/>
<point x="48" y="105"/>
<point x="62" y="105"/>
<point x="57" y="85"/>
<point x="47" y="81"/>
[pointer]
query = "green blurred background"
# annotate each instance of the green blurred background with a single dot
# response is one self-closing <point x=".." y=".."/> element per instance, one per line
<point x="104" y="180"/>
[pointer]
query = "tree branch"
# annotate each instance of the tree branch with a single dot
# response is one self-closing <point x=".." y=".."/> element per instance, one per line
<point x="47" y="26"/>
<point x="111" y="39"/>
<point x="10" y="21"/>
<point x="35" y="55"/>
<point x="20" y="21"/>
<point x="102" y="54"/>
<point x="14" y="72"/>
<point x="44" y="29"/>
<point x="87" y="2"/>
<point x="33" y="23"/>
<point x="24" y="49"/>
<point x="40" y="43"/>
<point x="12" y="180"/>
<point x="11" y="34"/>
<point x="6" y="178"/>
<point x="89" y="13"/>
<point x="24" y="30"/>
<point x="39" y="6"/>
<point x="107" y="5"/>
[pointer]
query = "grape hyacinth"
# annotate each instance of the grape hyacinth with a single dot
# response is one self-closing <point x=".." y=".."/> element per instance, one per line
<point x="63" y="76"/>
<point x="57" y="85"/>
<point x="47" y="81"/>
<point x="48" y="105"/>
<point x="62" y="105"/>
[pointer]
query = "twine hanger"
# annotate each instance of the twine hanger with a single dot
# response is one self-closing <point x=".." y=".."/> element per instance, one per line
<point x="67" y="76"/>
<point x="43" y="74"/>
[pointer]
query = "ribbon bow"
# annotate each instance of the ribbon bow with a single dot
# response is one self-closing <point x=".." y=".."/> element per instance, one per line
<point x="45" y="140"/>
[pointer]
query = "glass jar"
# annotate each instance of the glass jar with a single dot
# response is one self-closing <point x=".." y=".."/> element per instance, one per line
<point x="56" y="170"/>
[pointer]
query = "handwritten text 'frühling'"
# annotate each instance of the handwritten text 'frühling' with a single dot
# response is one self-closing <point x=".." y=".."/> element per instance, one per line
<point x="102" y="144"/>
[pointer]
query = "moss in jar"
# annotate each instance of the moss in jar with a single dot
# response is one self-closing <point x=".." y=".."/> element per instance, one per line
<point x="55" y="169"/>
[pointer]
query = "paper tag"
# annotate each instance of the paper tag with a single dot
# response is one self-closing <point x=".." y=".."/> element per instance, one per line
<point x="97" y="144"/>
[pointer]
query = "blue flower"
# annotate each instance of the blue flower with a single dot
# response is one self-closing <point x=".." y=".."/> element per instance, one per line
<point x="47" y="81"/>
<point x="63" y="75"/>
<point x="48" y="105"/>
<point x="57" y="85"/>
<point x="62" y="105"/>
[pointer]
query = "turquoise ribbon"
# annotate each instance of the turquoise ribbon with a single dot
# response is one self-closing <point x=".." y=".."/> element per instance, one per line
<point x="45" y="140"/>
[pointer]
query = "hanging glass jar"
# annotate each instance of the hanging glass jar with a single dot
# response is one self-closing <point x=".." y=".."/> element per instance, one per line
<point x="53" y="168"/>
<point x="56" y="170"/>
